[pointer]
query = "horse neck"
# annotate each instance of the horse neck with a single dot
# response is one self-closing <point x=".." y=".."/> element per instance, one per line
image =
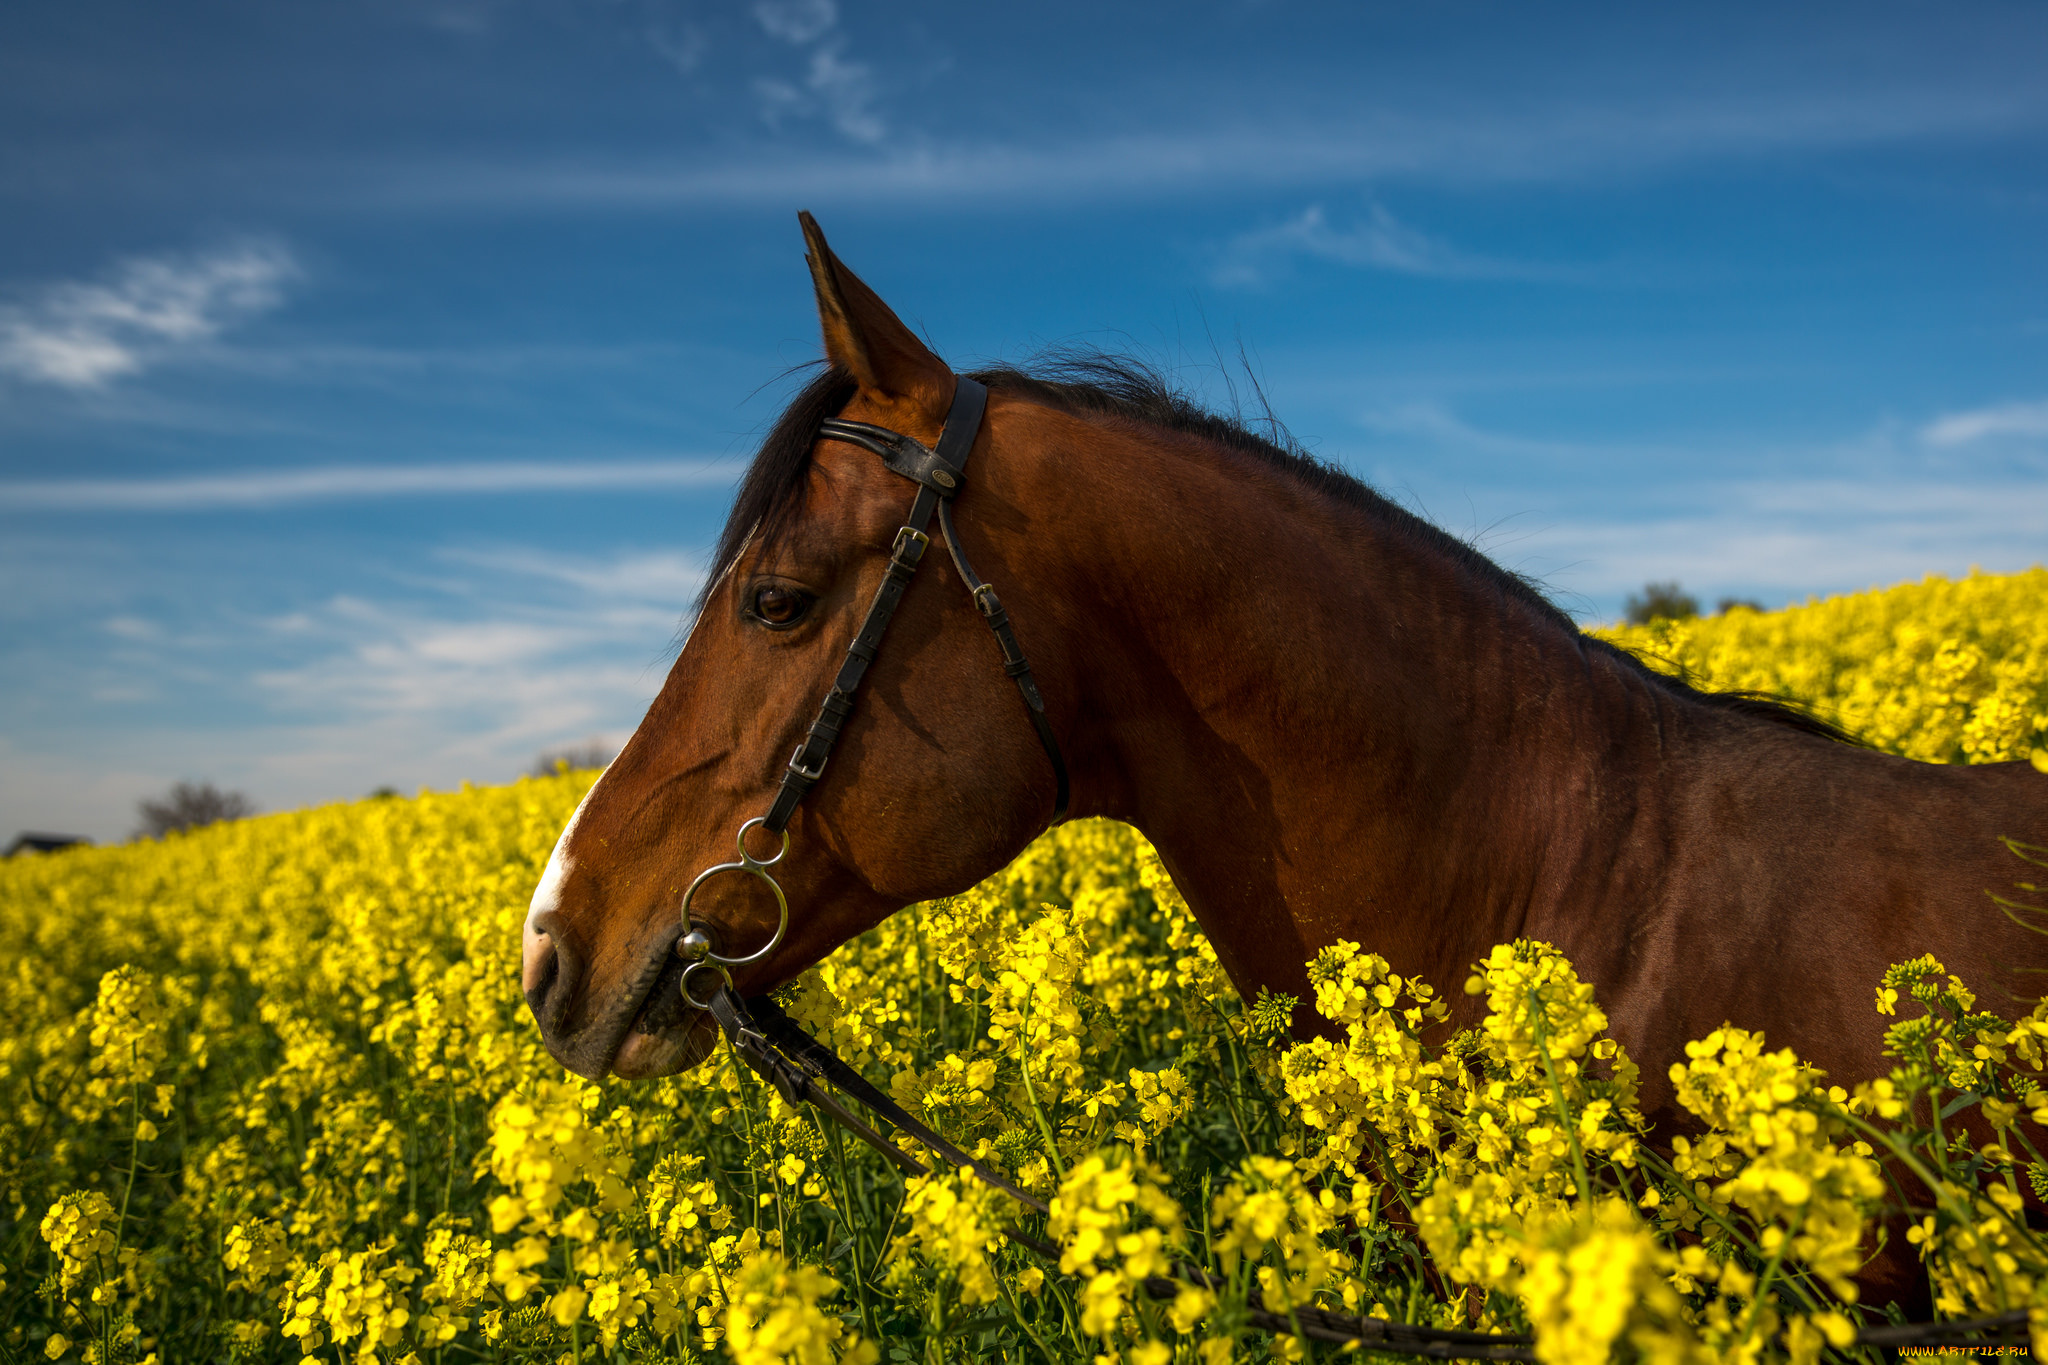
<point x="1330" y="724"/>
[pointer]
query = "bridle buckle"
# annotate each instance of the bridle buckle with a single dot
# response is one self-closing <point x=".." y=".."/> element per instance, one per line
<point x="909" y="547"/>
<point x="807" y="774"/>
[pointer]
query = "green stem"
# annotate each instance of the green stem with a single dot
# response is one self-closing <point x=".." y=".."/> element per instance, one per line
<point x="1707" y="1211"/>
<point x="134" y="1148"/>
<point x="718" y="1278"/>
<point x="1934" y="1100"/>
<point x="882" y="1247"/>
<point x="448" y="1185"/>
<point x="928" y="963"/>
<point x="860" y="1287"/>
<point x="933" y="1351"/>
<point x="1763" y="1281"/>
<point x="746" y="1107"/>
<point x="1308" y="1348"/>
<point x="1564" y="1116"/>
<point x="99" y="1264"/>
<point x="1236" y="1077"/>
<point x="775" y="1183"/>
<point x="1942" y="1196"/>
<point x="1052" y="1149"/>
<point x="1389" y="1176"/>
<point x="1067" y="1318"/>
<point x="917" y="937"/>
<point x="1017" y="1313"/>
<point x="2012" y="1180"/>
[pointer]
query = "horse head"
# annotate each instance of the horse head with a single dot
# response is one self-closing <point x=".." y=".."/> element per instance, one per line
<point x="937" y="777"/>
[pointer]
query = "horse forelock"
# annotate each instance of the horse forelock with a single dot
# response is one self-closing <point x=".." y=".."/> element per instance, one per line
<point x="771" y="494"/>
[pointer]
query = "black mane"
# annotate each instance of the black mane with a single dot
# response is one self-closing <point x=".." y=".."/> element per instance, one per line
<point x="771" y="496"/>
<point x="1127" y="389"/>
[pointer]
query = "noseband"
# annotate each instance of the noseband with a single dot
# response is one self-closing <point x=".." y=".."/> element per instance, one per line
<point x="939" y="475"/>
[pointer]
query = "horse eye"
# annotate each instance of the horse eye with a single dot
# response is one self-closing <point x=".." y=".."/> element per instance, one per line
<point x="779" y="606"/>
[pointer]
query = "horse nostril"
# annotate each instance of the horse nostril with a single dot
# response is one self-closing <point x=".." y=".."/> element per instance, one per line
<point x="539" y="971"/>
<point x="547" y="971"/>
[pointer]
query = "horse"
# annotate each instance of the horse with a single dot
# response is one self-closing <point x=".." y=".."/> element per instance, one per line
<point x="1332" y="719"/>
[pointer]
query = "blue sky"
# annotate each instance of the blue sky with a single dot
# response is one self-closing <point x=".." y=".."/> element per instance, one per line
<point x="374" y="375"/>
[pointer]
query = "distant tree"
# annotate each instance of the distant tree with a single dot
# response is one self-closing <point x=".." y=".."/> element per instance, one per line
<point x="594" y="754"/>
<point x="188" y="805"/>
<point x="1660" y="602"/>
<point x="1728" y="604"/>
<point x="28" y="841"/>
<point x="384" y="794"/>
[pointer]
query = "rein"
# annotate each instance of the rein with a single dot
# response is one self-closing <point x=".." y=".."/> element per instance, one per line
<point x="800" y="1067"/>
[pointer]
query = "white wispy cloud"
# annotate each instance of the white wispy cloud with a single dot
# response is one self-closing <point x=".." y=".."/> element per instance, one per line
<point x="842" y="91"/>
<point x="1782" y="540"/>
<point x="472" y="686"/>
<point x="134" y="628"/>
<point x="1436" y="424"/>
<point x="271" y="487"/>
<point x="832" y="85"/>
<point x="1378" y="241"/>
<point x="671" y="576"/>
<point x="796" y="21"/>
<point x="81" y="334"/>
<point x="846" y="89"/>
<point x="1363" y="145"/>
<point x="1662" y="513"/>
<point x="682" y="45"/>
<point x="467" y="672"/>
<point x="2005" y="419"/>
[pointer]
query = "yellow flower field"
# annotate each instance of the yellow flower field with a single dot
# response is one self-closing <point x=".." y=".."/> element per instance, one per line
<point x="1941" y="671"/>
<point x="268" y="1090"/>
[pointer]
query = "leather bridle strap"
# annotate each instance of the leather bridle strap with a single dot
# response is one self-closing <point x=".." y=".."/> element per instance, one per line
<point x="1014" y="663"/>
<point x="792" y="1061"/>
<point x="939" y="474"/>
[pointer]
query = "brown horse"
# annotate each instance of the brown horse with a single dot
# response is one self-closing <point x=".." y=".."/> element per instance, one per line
<point x="1331" y="718"/>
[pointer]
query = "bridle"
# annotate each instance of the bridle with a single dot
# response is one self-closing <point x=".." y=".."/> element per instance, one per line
<point x="939" y="474"/>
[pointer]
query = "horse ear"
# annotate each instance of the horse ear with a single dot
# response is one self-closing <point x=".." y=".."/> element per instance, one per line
<point x="863" y="336"/>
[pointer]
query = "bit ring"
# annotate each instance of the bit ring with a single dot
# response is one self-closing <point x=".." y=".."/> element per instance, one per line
<point x="753" y="867"/>
<point x="691" y="971"/>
